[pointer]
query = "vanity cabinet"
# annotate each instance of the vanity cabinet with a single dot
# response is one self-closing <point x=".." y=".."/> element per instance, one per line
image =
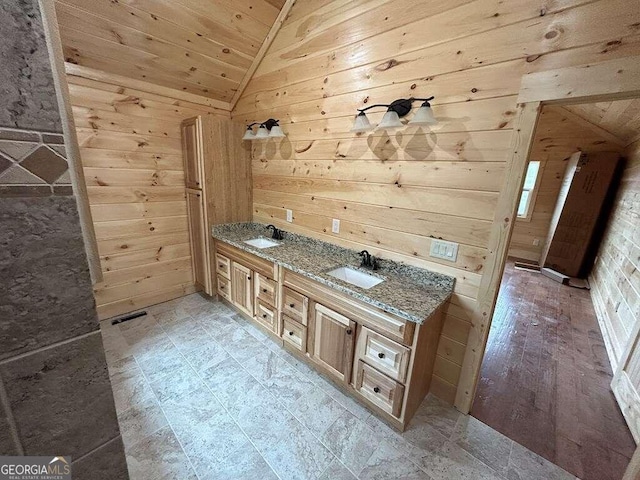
<point x="242" y="288"/>
<point x="382" y="360"/>
<point x="331" y="342"/>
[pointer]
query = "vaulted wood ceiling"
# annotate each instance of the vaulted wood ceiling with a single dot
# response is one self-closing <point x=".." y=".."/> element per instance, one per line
<point x="620" y="118"/>
<point x="205" y="47"/>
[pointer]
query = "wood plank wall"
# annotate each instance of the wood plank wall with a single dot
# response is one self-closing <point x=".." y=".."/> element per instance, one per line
<point x="130" y="145"/>
<point x="615" y="279"/>
<point x="558" y="135"/>
<point x="394" y="192"/>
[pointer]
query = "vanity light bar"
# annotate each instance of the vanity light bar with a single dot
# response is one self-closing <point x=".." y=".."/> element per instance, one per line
<point x="267" y="129"/>
<point x="396" y="110"/>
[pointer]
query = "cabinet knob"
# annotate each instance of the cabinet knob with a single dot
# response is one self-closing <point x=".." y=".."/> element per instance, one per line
<point x="221" y="287"/>
<point x="292" y="305"/>
<point x="248" y="278"/>
<point x="376" y="389"/>
<point x="264" y="290"/>
<point x="349" y="331"/>
<point x="264" y="315"/>
<point x="381" y="355"/>
<point x="290" y="333"/>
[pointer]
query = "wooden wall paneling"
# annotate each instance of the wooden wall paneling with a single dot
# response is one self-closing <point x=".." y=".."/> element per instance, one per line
<point x="615" y="278"/>
<point x="268" y="39"/>
<point x="202" y="48"/>
<point x="559" y="134"/>
<point x="459" y="229"/>
<point x="135" y="181"/>
<point x="473" y="63"/>
<point x="109" y="82"/>
<point x="535" y="36"/>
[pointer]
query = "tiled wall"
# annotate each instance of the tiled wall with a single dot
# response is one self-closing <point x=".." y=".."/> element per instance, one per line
<point x="55" y="394"/>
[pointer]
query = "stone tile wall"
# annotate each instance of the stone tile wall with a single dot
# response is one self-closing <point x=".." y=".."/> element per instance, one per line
<point x="55" y="393"/>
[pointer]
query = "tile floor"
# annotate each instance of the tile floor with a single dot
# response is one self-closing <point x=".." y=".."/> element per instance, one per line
<point x="201" y="393"/>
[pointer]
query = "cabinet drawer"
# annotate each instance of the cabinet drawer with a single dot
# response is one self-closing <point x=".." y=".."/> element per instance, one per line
<point x="294" y="334"/>
<point x="379" y="389"/>
<point x="224" y="288"/>
<point x="266" y="316"/>
<point x="223" y="266"/>
<point x="266" y="289"/>
<point x="386" y="355"/>
<point x="295" y="305"/>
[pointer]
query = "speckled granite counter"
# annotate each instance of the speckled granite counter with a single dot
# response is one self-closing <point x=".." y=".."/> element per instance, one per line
<point x="411" y="293"/>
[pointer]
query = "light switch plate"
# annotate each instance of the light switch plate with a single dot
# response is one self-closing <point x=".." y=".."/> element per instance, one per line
<point x="335" y="226"/>
<point x="444" y="250"/>
<point x="289" y="215"/>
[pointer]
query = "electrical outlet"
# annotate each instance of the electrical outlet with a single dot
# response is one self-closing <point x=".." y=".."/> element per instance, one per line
<point x="335" y="226"/>
<point x="536" y="242"/>
<point x="289" y="215"/>
<point x="444" y="250"/>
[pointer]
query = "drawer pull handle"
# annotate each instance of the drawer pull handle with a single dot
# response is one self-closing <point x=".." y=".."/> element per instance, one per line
<point x="290" y="333"/>
<point x="264" y="290"/>
<point x="376" y="389"/>
<point x="264" y="315"/>
<point x="292" y="305"/>
<point x="381" y="355"/>
<point x="348" y="332"/>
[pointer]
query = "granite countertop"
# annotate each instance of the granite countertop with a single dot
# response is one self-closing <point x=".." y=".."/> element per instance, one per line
<point x="409" y="292"/>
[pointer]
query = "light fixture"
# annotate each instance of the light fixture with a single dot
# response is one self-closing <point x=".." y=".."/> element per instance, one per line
<point x="390" y="121"/>
<point x="362" y="123"/>
<point x="395" y="111"/>
<point x="249" y="135"/>
<point x="267" y="129"/>
<point x="424" y="115"/>
<point x="262" y="133"/>
<point x="276" y="132"/>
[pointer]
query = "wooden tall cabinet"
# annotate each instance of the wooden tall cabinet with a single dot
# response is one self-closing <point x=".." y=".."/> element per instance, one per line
<point x="217" y="172"/>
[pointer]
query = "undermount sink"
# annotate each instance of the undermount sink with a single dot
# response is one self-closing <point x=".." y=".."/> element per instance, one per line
<point x="261" y="242"/>
<point x="355" y="277"/>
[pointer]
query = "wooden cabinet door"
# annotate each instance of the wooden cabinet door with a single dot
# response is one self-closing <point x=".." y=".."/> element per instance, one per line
<point x="331" y="342"/>
<point x="242" y="288"/>
<point x="192" y="152"/>
<point x="197" y="232"/>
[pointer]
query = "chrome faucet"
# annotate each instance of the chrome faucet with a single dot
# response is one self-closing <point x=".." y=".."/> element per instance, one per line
<point x="276" y="233"/>
<point x="368" y="260"/>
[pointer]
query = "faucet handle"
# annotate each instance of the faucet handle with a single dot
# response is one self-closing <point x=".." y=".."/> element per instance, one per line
<point x="374" y="263"/>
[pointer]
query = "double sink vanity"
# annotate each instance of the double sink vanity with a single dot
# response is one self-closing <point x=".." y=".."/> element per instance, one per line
<point x="373" y="332"/>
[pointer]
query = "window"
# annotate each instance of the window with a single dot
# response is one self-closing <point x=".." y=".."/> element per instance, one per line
<point x="527" y="198"/>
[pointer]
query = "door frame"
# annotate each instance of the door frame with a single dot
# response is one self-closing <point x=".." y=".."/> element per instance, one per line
<point x="605" y="81"/>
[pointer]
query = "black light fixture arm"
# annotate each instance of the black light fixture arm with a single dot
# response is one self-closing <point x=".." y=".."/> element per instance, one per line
<point x="402" y="106"/>
<point x="268" y="124"/>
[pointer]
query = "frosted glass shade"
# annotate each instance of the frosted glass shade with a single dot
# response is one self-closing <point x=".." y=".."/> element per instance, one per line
<point x="361" y="123"/>
<point x="262" y="132"/>
<point x="249" y="135"/>
<point x="390" y="121"/>
<point x="276" y="132"/>
<point x="424" y="116"/>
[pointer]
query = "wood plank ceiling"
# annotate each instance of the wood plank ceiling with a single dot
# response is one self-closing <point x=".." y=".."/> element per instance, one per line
<point x="204" y="47"/>
<point x="621" y="118"/>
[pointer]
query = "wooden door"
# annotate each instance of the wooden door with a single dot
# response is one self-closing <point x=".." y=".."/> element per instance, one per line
<point x="332" y="341"/>
<point x="197" y="233"/>
<point x="192" y="152"/>
<point x="242" y="288"/>
<point x="626" y="384"/>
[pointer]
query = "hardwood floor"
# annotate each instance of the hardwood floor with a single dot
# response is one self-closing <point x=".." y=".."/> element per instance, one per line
<point x="545" y="378"/>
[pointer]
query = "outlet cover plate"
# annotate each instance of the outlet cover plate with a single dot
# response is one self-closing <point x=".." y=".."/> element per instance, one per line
<point x="335" y="226"/>
<point x="289" y="215"/>
<point x="444" y="250"/>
